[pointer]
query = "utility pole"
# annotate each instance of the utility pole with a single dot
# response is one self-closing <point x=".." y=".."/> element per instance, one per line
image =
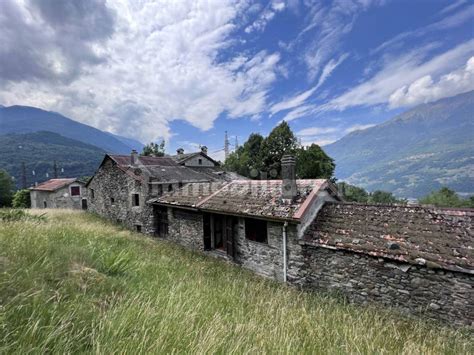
<point x="236" y="143"/>
<point x="226" y="146"/>
<point x="23" y="176"/>
<point x="55" y="170"/>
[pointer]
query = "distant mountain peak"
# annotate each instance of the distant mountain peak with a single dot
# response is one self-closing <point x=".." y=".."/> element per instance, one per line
<point x="25" y="119"/>
<point x="413" y="153"/>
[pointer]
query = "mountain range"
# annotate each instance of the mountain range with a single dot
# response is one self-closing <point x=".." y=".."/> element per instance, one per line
<point x="26" y="119"/>
<point x="414" y="153"/>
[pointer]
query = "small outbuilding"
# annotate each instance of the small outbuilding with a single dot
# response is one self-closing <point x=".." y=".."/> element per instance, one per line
<point x="59" y="193"/>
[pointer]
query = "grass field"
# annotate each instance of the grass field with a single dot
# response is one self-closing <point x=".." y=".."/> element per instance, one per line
<point x="72" y="283"/>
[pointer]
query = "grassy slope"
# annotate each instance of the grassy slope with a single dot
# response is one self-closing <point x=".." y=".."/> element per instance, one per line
<point x="77" y="284"/>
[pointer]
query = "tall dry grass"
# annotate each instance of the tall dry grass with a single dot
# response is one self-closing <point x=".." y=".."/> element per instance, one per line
<point x="74" y="283"/>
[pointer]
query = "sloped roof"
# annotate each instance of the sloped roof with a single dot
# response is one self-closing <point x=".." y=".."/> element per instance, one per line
<point x="53" y="184"/>
<point x="181" y="158"/>
<point x="165" y="169"/>
<point x="124" y="160"/>
<point x="412" y="234"/>
<point x="258" y="198"/>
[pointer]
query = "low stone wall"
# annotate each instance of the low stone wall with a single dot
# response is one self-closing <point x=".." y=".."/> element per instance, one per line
<point x="440" y="294"/>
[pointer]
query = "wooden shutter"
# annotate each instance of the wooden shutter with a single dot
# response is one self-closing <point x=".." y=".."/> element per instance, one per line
<point x="207" y="231"/>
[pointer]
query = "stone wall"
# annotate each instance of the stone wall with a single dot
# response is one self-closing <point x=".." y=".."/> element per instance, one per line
<point x="437" y="293"/>
<point x="265" y="259"/>
<point x="412" y="258"/>
<point x="61" y="198"/>
<point x="186" y="228"/>
<point x="112" y="183"/>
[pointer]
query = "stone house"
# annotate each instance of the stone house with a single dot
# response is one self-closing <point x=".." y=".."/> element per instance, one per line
<point x="255" y="223"/>
<point x="419" y="260"/>
<point x="59" y="193"/>
<point x="123" y="183"/>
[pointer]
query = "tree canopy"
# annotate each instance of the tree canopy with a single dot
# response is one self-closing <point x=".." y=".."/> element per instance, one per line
<point x="6" y="189"/>
<point x="155" y="149"/>
<point x="260" y="157"/>
<point x="446" y="197"/>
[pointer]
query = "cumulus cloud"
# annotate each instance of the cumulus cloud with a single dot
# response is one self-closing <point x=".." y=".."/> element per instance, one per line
<point x="132" y="67"/>
<point x="425" y="89"/>
<point x="51" y="40"/>
<point x="399" y="72"/>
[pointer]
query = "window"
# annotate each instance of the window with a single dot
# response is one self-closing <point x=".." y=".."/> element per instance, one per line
<point x="200" y="161"/>
<point x="256" y="230"/>
<point x="138" y="228"/>
<point x="160" y="189"/>
<point x="112" y="200"/>
<point x="75" y="191"/>
<point x="92" y="194"/>
<point x="45" y="205"/>
<point x="170" y="187"/>
<point x="135" y="200"/>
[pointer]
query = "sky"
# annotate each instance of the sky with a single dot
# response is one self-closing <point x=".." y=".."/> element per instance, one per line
<point x="187" y="71"/>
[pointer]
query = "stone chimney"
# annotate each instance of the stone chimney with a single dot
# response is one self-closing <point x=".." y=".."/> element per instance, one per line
<point x="180" y="151"/>
<point x="204" y="149"/>
<point x="133" y="158"/>
<point x="288" y="176"/>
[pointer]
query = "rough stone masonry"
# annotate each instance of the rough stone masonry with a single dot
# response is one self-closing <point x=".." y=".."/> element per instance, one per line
<point x="415" y="259"/>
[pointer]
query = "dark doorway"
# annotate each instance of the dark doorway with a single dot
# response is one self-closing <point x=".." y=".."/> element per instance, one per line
<point x="161" y="221"/>
<point x="219" y="232"/>
<point x="84" y="204"/>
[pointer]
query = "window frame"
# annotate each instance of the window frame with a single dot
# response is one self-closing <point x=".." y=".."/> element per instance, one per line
<point x="261" y="229"/>
<point x="135" y="199"/>
<point x="75" y="187"/>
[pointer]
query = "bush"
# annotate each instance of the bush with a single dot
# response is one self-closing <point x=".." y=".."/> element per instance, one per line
<point x="21" y="199"/>
<point x="6" y="188"/>
<point x="11" y="215"/>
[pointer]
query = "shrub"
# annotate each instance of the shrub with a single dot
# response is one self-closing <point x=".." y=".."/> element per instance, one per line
<point x="21" y="199"/>
<point x="12" y="215"/>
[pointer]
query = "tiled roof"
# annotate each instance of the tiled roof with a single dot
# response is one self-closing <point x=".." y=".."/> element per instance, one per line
<point x="412" y="234"/>
<point x="166" y="169"/>
<point x="53" y="184"/>
<point x="260" y="198"/>
<point x="124" y="160"/>
<point x="181" y="158"/>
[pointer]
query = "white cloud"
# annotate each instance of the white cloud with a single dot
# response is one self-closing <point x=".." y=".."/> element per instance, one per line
<point x="399" y="72"/>
<point x="265" y="16"/>
<point x="162" y="64"/>
<point x="452" y="21"/>
<point x="425" y="89"/>
<point x="359" y="127"/>
<point x="313" y="131"/>
<point x="301" y="98"/>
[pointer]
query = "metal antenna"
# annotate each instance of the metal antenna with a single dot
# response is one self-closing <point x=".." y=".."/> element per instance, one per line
<point x="226" y="146"/>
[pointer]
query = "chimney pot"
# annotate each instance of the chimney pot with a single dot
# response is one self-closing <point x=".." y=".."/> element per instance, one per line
<point x="288" y="176"/>
<point x="204" y="149"/>
<point x="180" y="151"/>
<point x="133" y="157"/>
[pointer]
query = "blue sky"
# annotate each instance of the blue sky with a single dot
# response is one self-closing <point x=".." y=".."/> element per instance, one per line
<point x="187" y="71"/>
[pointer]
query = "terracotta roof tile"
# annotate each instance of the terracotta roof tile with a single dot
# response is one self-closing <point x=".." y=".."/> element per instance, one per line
<point x="260" y="198"/>
<point x="53" y="184"/>
<point x="412" y="234"/>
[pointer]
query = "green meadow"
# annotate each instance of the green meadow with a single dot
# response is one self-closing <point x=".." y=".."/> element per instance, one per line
<point x="71" y="282"/>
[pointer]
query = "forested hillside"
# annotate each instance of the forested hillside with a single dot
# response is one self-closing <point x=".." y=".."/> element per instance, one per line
<point x="414" y="153"/>
<point x="38" y="151"/>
